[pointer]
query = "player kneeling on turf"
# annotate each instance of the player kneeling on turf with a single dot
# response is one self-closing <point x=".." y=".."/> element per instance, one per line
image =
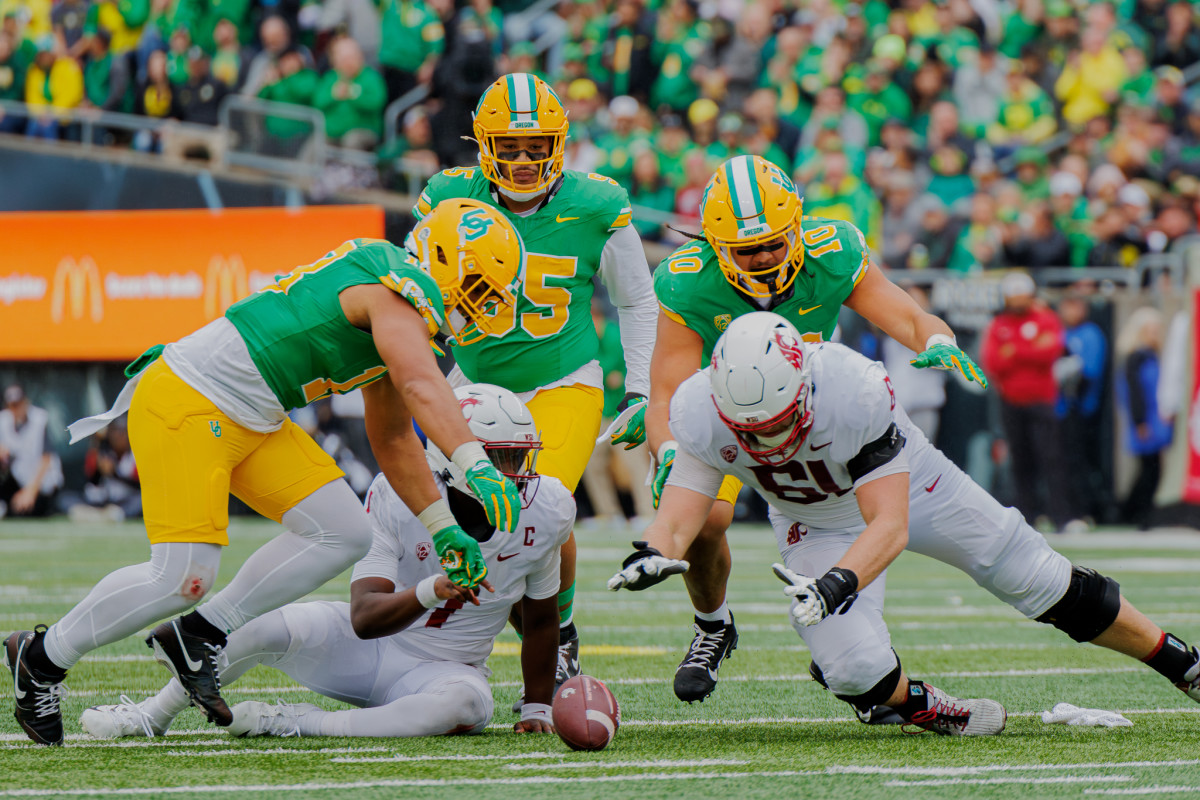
<point x="419" y="667"/>
<point x="815" y="429"/>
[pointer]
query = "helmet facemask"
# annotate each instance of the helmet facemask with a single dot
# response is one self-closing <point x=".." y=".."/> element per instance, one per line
<point x="770" y="281"/>
<point x="520" y="106"/>
<point x="776" y="440"/>
<point x="517" y="461"/>
<point x="499" y="165"/>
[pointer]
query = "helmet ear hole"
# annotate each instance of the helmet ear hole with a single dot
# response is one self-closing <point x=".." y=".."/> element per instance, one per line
<point x="441" y="256"/>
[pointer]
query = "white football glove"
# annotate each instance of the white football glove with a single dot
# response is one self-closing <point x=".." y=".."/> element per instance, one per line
<point x="644" y="568"/>
<point x="808" y="607"/>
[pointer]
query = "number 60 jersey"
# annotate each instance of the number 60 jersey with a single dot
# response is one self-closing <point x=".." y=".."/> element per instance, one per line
<point x="858" y="434"/>
<point x="520" y="564"/>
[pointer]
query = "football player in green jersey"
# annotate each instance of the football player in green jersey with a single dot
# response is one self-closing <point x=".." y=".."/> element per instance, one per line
<point x="575" y="226"/>
<point x="209" y="418"/>
<point x="760" y="253"/>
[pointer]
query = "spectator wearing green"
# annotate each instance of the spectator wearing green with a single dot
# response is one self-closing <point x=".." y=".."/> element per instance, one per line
<point x="24" y="47"/>
<point x="951" y="41"/>
<point x="1071" y="215"/>
<point x="877" y="98"/>
<point x="837" y="194"/>
<point x="680" y="40"/>
<point x="979" y="245"/>
<point x="289" y="82"/>
<point x="626" y="49"/>
<point x="106" y="80"/>
<point x="201" y="18"/>
<point x="352" y="97"/>
<point x="671" y="145"/>
<point x="177" y="55"/>
<point x="1140" y="83"/>
<point x="413" y="38"/>
<point x="1026" y="113"/>
<point x="810" y="160"/>
<point x="950" y="181"/>
<point x="1031" y="174"/>
<point x="729" y="139"/>
<point x="1022" y="25"/>
<point x="122" y="19"/>
<point x="620" y="145"/>
<point x="648" y="189"/>
<point x="12" y="70"/>
<point x="781" y="74"/>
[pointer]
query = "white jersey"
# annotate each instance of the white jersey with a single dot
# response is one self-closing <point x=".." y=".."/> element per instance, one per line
<point x="853" y="407"/>
<point x="524" y="563"/>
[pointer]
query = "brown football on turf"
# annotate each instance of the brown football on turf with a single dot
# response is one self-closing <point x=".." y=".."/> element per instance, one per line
<point x="586" y="715"/>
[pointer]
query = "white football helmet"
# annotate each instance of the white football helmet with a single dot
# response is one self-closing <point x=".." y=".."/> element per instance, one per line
<point x="505" y="427"/>
<point x="761" y="379"/>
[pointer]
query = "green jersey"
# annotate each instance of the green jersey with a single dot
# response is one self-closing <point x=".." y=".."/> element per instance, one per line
<point x="550" y="333"/>
<point x="298" y="336"/>
<point x="693" y="291"/>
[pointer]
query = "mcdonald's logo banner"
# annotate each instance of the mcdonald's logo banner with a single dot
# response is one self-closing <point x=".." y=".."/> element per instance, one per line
<point x="96" y="286"/>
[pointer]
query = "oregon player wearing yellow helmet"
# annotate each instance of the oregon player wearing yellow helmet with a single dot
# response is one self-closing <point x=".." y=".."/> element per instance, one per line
<point x="209" y="418"/>
<point x="761" y="253"/>
<point x="576" y="226"/>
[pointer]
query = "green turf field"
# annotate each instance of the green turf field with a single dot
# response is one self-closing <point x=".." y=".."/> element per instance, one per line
<point x="767" y="732"/>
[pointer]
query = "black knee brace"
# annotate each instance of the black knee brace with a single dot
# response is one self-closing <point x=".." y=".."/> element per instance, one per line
<point x="1089" y="606"/>
<point x="875" y="696"/>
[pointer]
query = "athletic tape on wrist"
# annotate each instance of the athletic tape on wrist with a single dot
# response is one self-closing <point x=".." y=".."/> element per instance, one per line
<point x="467" y="455"/>
<point x="426" y="595"/>
<point x="535" y="711"/>
<point x="436" y="517"/>
<point x="940" y="338"/>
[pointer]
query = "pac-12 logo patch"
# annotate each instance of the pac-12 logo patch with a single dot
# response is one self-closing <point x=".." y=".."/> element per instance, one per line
<point x="423" y="550"/>
<point x="722" y="321"/>
<point x="729" y="453"/>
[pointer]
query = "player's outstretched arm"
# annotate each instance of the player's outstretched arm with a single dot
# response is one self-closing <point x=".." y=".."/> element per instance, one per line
<point x="884" y="506"/>
<point x="377" y="609"/>
<point x="891" y="308"/>
<point x="668" y="538"/>
<point x="539" y="658"/>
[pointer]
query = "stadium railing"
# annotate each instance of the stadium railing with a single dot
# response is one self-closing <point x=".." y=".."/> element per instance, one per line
<point x="250" y="141"/>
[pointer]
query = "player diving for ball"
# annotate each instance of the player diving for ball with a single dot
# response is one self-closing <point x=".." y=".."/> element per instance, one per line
<point x="208" y="418"/>
<point x="814" y="428"/>
<point x="419" y="667"/>
<point x="576" y="226"/>
<point x="761" y="253"/>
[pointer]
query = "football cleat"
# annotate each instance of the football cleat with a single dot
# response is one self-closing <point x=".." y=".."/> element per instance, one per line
<point x="254" y="718"/>
<point x="696" y="675"/>
<point x="950" y="716"/>
<point x="38" y="696"/>
<point x="879" y="715"/>
<point x="195" y="661"/>
<point x="1190" y="685"/>
<point x="568" y="661"/>
<point x="126" y="718"/>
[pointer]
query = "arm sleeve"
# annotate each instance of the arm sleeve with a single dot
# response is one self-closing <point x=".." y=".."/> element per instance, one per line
<point x="690" y="472"/>
<point x="626" y="274"/>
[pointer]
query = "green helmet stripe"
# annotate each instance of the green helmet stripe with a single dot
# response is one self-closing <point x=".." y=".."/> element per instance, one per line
<point x="743" y="191"/>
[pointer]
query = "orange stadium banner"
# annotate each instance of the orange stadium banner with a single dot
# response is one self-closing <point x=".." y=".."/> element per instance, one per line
<point x="94" y="286"/>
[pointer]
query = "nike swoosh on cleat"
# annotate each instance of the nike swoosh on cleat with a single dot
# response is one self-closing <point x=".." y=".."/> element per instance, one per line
<point x="557" y="218"/>
<point x="505" y="558"/>
<point x="817" y="447"/>
<point x="17" y="693"/>
<point x="194" y="666"/>
<point x="931" y="486"/>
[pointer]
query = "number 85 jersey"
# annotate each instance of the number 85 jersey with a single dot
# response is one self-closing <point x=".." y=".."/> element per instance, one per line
<point x="524" y="563"/>
<point x="858" y="434"/>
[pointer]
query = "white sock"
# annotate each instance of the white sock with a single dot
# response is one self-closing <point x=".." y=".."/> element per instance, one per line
<point x="328" y="532"/>
<point x="453" y="708"/>
<point x="126" y="601"/>
<point x="720" y="615"/>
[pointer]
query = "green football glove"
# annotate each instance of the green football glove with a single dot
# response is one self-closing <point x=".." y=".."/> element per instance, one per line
<point x="460" y="556"/>
<point x="950" y="357"/>
<point x="500" y="498"/>
<point x="666" y="460"/>
<point x="629" y="428"/>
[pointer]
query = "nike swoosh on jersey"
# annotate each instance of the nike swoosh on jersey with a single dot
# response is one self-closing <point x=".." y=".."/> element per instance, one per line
<point x="557" y="218"/>
<point x="505" y="558"/>
<point x="931" y="486"/>
<point x="194" y="666"/>
<point x="803" y="311"/>
<point x="817" y="447"/>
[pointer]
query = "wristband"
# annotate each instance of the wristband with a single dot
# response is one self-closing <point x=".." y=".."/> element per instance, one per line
<point x="940" y="338"/>
<point x="839" y="586"/>
<point x="670" y="444"/>
<point x="468" y="454"/>
<point x="535" y="711"/>
<point x="426" y="595"/>
<point x="436" y="516"/>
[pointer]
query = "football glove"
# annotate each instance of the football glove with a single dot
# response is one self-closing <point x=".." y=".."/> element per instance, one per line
<point x="629" y="428"/>
<point x="666" y="460"/>
<point x="460" y="556"/>
<point x="644" y="568"/>
<point x="500" y="498"/>
<point x="815" y="600"/>
<point x="950" y="357"/>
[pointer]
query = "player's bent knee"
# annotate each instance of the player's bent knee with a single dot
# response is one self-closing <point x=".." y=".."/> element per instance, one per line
<point x="1090" y="605"/>
<point x="857" y="677"/>
<point x="878" y="694"/>
<point x="472" y="708"/>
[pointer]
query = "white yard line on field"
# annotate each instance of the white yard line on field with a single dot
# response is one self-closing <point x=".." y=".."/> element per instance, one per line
<point x="702" y="762"/>
<point x="984" y="781"/>
<point x="858" y="769"/>
<point x="1189" y="790"/>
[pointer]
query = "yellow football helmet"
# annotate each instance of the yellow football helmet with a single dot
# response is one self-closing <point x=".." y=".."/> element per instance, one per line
<point x="523" y="105"/>
<point x="477" y="258"/>
<point x="751" y="205"/>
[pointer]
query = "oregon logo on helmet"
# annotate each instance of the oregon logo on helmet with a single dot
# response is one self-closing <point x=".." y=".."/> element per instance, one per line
<point x="475" y="223"/>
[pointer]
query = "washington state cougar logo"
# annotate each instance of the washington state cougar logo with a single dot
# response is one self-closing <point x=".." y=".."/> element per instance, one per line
<point x="729" y="453"/>
<point x="423" y="550"/>
<point x="796" y="533"/>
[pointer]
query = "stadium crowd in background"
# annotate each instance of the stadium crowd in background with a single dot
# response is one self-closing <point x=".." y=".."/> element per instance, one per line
<point x="957" y="135"/>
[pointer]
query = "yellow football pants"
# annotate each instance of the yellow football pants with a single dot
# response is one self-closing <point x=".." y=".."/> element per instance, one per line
<point x="569" y="420"/>
<point x="191" y="457"/>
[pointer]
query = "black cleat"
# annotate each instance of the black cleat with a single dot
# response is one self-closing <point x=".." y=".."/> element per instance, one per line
<point x="696" y="675"/>
<point x="194" y="660"/>
<point x="37" y="694"/>
<point x="568" y="661"/>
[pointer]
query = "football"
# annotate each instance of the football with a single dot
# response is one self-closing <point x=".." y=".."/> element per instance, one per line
<point x="585" y="713"/>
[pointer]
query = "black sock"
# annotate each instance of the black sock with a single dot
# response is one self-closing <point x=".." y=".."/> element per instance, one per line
<point x="566" y="633"/>
<point x="39" y="662"/>
<point x="197" y="625"/>
<point x="916" y="701"/>
<point x="1172" y="658"/>
<point x="710" y="625"/>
